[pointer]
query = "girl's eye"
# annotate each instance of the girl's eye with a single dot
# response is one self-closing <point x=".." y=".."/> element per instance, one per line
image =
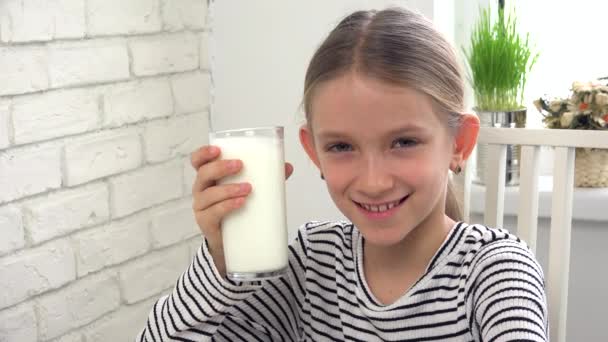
<point x="339" y="147"/>
<point x="404" y="142"/>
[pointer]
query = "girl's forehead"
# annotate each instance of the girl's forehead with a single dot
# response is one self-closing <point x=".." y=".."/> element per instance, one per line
<point x="353" y="101"/>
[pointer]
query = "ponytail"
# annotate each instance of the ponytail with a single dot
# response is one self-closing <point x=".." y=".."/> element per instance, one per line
<point x="452" y="204"/>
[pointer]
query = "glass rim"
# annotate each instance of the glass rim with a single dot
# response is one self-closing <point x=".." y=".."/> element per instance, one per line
<point x="241" y="130"/>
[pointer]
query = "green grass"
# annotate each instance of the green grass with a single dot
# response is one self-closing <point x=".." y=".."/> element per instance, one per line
<point x="499" y="59"/>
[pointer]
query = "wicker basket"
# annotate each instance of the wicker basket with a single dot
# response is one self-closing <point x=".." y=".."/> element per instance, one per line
<point x="591" y="168"/>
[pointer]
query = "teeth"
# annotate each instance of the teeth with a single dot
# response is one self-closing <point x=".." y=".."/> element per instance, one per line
<point x="380" y="208"/>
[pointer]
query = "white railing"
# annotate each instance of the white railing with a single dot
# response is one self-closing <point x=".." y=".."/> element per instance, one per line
<point x="564" y="143"/>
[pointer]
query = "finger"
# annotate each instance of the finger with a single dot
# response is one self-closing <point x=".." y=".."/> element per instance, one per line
<point x="288" y="170"/>
<point x="203" y="155"/>
<point x="210" y="173"/>
<point x="211" y="217"/>
<point x="215" y="194"/>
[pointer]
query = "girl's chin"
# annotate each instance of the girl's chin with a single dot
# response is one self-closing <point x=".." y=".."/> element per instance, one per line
<point x="384" y="236"/>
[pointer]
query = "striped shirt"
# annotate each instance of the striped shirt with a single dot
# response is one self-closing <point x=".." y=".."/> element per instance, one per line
<point x="481" y="285"/>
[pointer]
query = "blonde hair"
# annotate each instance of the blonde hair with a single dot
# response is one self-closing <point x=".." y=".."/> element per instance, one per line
<point x="400" y="47"/>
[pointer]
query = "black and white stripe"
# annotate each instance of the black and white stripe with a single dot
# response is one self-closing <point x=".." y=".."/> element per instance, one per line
<point x="482" y="285"/>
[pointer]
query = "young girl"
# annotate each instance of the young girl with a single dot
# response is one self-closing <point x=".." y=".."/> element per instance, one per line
<point x="383" y="101"/>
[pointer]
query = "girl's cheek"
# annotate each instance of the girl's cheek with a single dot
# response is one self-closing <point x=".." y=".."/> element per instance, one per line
<point x="337" y="173"/>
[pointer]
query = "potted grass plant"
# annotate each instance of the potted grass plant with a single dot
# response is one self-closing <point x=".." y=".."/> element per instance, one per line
<point x="499" y="60"/>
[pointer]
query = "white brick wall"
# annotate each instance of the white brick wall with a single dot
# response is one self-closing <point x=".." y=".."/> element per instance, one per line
<point x="177" y="136"/>
<point x="42" y="20"/>
<point x="145" y="188"/>
<point x="11" y="226"/>
<point x="156" y="55"/>
<point x="191" y="92"/>
<point x="16" y="324"/>
<point x="180" y="14"/>
<point x="102" y="154"/>
<point x="23" y="69"/>
<point x="80" y="63"/>
<point x="40" y="269"/>
<point x="29" y="171"/>
<point x="189" y="175"/>
<point x="154" y="273"/>
<point x="136" y="101"/>
<point x="101" y="103"/>
<point x="121" y="325"/>
<point x="203" y="54"/>
<point x="107" y="246"/>
<point x="66" y="211"/>
<point x="195" y="244"/>
<point x="134" y="16"/>
<point x="173" y="224"/>
<point x="4" y="124"/>
<point x="71" y="337"/>
<point x="54" y="114"/>
<point x="77" y="304"/>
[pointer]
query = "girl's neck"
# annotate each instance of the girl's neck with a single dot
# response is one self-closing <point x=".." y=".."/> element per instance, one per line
<point x="419" y="245"/>
<point x="391" y="271"/>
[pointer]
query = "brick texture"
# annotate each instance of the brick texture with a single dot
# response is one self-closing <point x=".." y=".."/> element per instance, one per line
<point x="54" y="114"/>
<point x="35" y="271"/>
<point x="101" y="103"/>
<point x="23" y="70"/>
<point x="181" y="14"/>
<point x="78" y="304"/>
<point x="11" y="226"/>
<point x="18" y="324"/>
<point x="102" y="154"/>
<point x="153" y="273"/>
<point x="173" y="224"/>
<point x="191" y="92"/>
<point x="110" y="245"/>
<point x="122" y="325"/>
<point x="29" y="171"/>
<point x="134" y="16"/>
<point x="145" y="188"/>
<point x="92" y="62"/>
<point x="166" y="54"/>
<point x="41" y="20"/>
<point x="177" y="136"/>
<point x="4" y="124"/>
<point x="66" y="211"/>
<point x="136" y="101"/>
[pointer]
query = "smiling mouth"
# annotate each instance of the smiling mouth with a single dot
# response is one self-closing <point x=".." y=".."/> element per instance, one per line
<point x="380" y="208"/>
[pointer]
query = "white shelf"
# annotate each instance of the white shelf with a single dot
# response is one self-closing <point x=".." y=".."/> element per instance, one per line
<point x="590" y="204"/>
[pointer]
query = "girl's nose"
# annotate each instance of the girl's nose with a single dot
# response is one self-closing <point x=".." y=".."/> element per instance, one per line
<point x="375" y="178"/>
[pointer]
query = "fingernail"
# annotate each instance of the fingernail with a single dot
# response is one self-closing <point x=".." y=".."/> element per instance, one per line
<point x="212" y="150"/>
<point x="239" y="201"/>
<point x="244" y="187"/>
<point x="233" y="164"/>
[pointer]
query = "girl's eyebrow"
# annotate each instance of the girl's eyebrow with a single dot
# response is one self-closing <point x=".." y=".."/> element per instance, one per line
<point x="331" y="135"/>
<point x="410" y="128"/>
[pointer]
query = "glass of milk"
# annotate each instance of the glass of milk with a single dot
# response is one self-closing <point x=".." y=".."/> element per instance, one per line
<point x="255" y="235"/>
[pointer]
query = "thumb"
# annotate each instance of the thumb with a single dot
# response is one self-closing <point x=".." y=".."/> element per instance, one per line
<point x="288" y="170"/>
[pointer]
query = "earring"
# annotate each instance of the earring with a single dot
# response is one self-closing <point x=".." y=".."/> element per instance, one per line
<point x="457" y="170"/>
<point x="322" y="177"/>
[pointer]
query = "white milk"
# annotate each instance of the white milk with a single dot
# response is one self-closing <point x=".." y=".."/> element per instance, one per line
<point x="255" y="235"/>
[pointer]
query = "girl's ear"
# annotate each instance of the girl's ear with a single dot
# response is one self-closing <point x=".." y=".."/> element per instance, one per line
<point x="466" y="138"/>
<point x="307" y="141"/>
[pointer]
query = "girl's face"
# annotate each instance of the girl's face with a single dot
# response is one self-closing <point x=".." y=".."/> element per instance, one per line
<point x="384" y="154"/>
